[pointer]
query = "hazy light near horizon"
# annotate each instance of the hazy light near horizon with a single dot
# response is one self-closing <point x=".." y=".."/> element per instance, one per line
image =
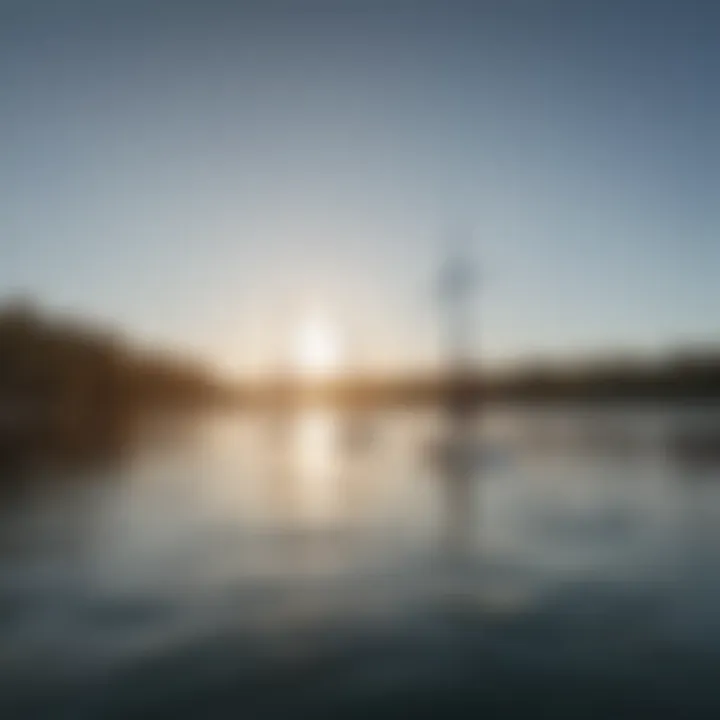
<point x="317" y="346"/>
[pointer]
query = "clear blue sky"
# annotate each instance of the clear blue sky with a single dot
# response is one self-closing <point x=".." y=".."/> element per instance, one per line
<point x="204" y="173"/>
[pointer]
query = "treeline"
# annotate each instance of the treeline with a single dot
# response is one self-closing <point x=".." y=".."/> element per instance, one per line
<point x="66" y="386"/>
<point x="689" y="375"/>
<point x="686" y="376"/>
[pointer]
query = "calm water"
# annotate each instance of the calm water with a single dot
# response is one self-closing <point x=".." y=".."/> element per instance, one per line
<point x="323" y="565"/>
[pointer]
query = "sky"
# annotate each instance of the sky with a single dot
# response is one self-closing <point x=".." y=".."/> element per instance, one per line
<point x="208" y="175"/>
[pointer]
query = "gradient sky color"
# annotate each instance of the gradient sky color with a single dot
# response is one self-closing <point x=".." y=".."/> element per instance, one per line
<point x="206" y="174"/>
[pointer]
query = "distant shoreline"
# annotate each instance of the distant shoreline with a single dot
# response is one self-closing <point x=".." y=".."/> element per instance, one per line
<point x="672" y="382"/>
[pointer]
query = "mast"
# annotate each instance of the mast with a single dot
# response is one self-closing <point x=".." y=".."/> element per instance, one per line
<point x="458" y="450"/>
<point x="457" y="293"/>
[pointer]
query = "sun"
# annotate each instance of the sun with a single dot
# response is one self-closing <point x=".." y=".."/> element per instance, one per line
<point x="317" y="347"/>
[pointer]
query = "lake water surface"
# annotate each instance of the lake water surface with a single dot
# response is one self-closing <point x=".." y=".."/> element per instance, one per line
<point x="255" y="566"/>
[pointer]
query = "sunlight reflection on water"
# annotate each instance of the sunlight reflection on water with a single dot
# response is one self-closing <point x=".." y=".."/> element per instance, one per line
<point x="316" y="437"/>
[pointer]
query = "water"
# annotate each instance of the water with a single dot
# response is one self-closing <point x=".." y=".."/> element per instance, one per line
<point x="324" y="565"/>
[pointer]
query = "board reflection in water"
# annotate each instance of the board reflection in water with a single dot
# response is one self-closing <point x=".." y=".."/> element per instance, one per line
<point x="457" y="462"/>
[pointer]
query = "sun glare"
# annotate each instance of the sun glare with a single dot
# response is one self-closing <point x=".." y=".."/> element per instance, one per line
<point x="317" y="347"/>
